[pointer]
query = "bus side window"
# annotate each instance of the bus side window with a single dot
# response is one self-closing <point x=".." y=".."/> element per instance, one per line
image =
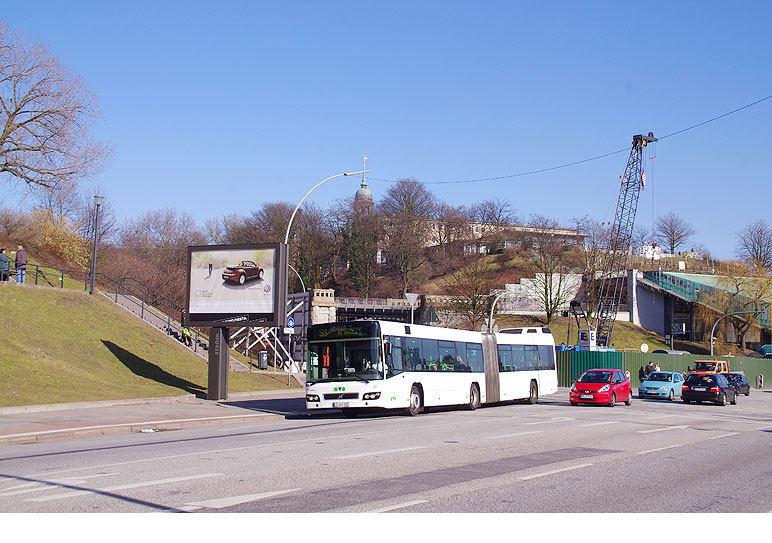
<point x="447" y="355"/>
<point x="430" y="354"/>
<point x="413" y="353"/>
<point x="546" y="357"/>
<point x="531" y="357"/>
<point x="505" y="358"/>
<point x="461" y="360"/>
<point x="518" y="357"/>
<point x="474" y="357"/>
<point x="395" y="360"/>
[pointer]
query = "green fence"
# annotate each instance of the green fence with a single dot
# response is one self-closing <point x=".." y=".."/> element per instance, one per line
<point x="571" y="364"/>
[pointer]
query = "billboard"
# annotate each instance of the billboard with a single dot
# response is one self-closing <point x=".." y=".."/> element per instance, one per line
<point x="237" y="285"/>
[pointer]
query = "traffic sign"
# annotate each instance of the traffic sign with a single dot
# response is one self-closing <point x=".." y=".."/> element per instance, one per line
<point x="290" y="322"/>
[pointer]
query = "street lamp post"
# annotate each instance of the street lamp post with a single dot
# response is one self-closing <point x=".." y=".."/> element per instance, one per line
<point x="712" y="330"/>
<point x="98" y="201"/>
<point x="286" y="240"/>
<point x="292" y="218"/>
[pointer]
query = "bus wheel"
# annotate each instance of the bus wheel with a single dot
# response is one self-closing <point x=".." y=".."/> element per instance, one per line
<point x="474" y="397"/>
<point x="533" y="397"/>
<point x="415" y="401"/>
<point x="350" y="413"/>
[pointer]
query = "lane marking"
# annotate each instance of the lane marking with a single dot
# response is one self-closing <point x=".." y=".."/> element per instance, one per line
<point x="397" y="506"/>
<point x="123" y="487"/>
<point x="601" y="423"/>
<point x="53" y="483"/>
<point x="388" y="451"/>
<point x="725" y="435"/>
<point x="556" y="419"/>
<point x="545" y="473"/>
<point x="665" y="429"/>
<point x="515" y="435"/>
<point x="131" y="425"/>
<point x="660" y="449"/>
<point x="220" y="503"/>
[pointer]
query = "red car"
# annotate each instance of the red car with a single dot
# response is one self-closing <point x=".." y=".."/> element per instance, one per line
<point x="243" y="272"/>
<point x="603" y="386"/>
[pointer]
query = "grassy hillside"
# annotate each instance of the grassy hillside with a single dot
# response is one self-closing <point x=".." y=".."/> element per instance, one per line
<point x="61" y="346"/>
<point x="626" y="335"/>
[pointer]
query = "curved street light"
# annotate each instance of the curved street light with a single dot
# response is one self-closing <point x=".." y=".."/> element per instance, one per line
<point x="712" y="330"/>
<point x="292" y="218"/>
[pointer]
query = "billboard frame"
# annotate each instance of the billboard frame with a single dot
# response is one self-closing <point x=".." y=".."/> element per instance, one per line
<point x="238" y="318"/>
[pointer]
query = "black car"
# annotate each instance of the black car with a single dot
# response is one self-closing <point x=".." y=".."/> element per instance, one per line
<point x="708" y="387"/>
<point x="739" y="381"/>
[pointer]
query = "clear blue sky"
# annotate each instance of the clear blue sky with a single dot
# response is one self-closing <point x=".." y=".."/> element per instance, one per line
<point x="217" y="107"/>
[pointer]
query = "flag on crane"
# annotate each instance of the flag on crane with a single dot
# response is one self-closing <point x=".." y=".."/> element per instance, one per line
<point x="643" y="179"/>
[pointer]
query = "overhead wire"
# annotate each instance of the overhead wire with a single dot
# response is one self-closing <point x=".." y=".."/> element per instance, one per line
<point x="586" y="160"/>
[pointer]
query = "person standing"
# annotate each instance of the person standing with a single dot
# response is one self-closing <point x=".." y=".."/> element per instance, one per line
<point x="649" y="369"/>
<point x="5" y="265"/>
<point x="21" y="265"/>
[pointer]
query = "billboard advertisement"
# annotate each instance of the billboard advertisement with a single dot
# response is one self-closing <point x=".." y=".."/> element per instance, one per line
<point x="237" y="285"/>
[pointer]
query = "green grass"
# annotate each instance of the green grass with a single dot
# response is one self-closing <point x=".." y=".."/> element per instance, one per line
<point x="61" y="346"/>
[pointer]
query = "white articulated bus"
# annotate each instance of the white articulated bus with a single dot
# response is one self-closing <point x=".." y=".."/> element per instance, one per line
<point x="361" y="365"/>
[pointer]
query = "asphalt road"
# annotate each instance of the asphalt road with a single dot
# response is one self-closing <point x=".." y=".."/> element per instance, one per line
<point x="653" y="456"/>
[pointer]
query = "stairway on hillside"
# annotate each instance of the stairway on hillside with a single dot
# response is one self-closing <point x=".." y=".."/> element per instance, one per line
<point x="166" y="325"/>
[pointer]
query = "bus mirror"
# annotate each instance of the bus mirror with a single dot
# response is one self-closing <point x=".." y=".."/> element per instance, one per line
<point x="387" y="348"/>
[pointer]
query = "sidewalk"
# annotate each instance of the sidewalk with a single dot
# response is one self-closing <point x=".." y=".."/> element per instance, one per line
<point x="34" y="423"/>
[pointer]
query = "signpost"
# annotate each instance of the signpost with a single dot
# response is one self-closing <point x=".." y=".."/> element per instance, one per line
<point x="411" y="298"/>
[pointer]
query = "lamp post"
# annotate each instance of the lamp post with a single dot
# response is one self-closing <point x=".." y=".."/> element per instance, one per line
<point x="286" y="239"/>
<point x="292" y="218"/>
<point x="98" y="201"/>
<point x="712" y="330"/>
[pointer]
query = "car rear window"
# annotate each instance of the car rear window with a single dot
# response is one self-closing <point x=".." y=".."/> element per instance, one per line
<point x="694" y="379"/>
<point x="660" y="377"/>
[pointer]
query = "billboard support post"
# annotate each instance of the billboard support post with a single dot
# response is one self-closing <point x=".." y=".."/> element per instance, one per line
<point x="219" y="355"/>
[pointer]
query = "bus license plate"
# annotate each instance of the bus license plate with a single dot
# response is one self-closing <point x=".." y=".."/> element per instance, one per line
<point x="586" y="396"/>
<point x="340" y="404"/>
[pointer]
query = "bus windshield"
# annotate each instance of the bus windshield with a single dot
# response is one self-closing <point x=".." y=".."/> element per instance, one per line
<point x="344" y="352"/>
<point x="345" y="359"/>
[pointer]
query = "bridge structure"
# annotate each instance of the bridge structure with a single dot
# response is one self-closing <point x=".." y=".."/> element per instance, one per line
<point x="664" y="301"/>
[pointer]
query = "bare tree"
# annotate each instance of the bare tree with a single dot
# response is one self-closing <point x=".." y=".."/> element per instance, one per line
<point x="406" y="209"/>
<point x="312" y="246"/>
<point x="754" y="245"/>
<point x="672" y="231"/>
<point x="46" y="114"/>
<point x="596" y="239"/>
<point x="451" y="227"/>
<point x="470" y="292"/>
<point x="551" y="260"/>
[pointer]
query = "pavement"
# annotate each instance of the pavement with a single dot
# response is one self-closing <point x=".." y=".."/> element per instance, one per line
<point x="35" y="423"/>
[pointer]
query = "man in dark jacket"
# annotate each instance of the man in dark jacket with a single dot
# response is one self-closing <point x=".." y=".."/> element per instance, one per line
<point x="5" y="265"/>
<point x="21" y="265"/>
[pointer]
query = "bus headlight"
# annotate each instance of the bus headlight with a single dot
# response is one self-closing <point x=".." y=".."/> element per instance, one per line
<point x="371" y="395"/>
<point x="312" y="398"/>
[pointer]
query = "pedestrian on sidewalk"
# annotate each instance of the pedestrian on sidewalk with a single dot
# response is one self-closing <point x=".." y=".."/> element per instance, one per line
<point x="21" y="265"/>
<point x="5" y="265"/>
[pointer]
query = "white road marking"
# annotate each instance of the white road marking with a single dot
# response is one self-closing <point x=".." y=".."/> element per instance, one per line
<point x="37" y="486"/>
<point x="545" y="473"/>
<point x="188" y="508"/>
<point x="515" y="435"/>
<point x="660" y="449"/>
<point x="388" y="451"/>
<point x="397" y="506"/>
<point x="725" y="435"/>
<point x="131" y="424"/>
<point x="666" y="428"/>
<point x="555" y="419"/>
<point x="602" y="423"/>
<point x="236" y="500"/>
<point x="123" y="487"/>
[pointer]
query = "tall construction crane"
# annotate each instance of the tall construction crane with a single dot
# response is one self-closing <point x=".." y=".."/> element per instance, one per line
<point x="620" y="237"/>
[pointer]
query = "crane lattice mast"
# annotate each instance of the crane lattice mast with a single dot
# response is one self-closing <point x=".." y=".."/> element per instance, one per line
<point x="620" y="237"/>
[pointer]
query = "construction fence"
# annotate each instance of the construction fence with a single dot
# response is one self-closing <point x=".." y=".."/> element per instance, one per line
<point x="571" y="364"/>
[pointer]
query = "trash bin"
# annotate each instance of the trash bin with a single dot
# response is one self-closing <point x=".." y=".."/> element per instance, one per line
<point x="262" y="360"/>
